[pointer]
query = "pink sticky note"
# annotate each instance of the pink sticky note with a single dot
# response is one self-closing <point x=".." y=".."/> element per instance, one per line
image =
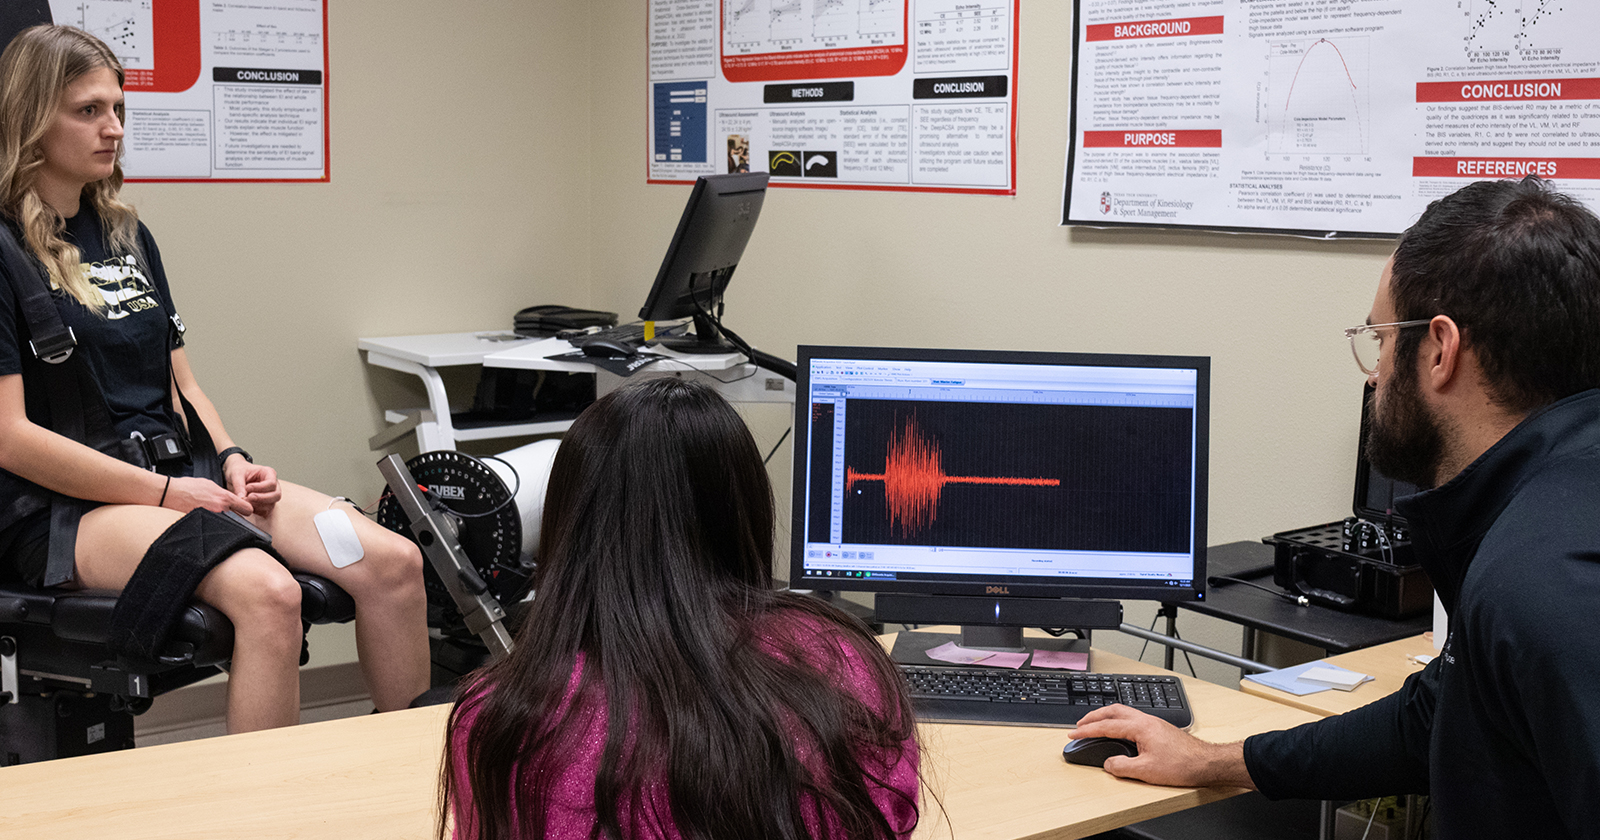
<point x="1065" y="660"/>
<point x="1006" y="660"/>
<point x="958" y="655"/>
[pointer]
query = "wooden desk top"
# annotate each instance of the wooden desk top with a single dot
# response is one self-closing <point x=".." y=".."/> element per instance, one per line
<point x="375" y="777"/>
<point x="1010" y="782"/>
<point x="1387" y="663"/>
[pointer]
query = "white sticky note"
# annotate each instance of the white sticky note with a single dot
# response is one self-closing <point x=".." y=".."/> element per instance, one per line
<point x="338" y="537"/>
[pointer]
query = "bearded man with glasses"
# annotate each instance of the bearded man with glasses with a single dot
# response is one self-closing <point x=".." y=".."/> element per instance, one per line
<point x="1483" y="343"/>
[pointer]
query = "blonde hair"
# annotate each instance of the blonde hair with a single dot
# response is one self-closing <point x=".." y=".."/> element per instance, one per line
<point x="35" y="70"/>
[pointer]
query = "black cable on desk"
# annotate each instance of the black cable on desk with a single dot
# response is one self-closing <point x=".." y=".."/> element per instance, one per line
<point x="1298" y="599"/>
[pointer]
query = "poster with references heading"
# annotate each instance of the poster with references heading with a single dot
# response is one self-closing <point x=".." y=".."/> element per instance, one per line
<point x="217" y="90"/>
<point x="855" y="94"/>
<point x="1324" y="117"/>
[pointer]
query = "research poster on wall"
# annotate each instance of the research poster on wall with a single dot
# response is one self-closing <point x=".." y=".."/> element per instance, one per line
<point x="854" y="94"/>
<point x="1324" y="117"/>
<point x="217" y="90"/>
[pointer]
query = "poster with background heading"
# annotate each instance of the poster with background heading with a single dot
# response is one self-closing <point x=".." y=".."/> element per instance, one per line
<point x="217" y="90"/>
<point x="1324" y="117"/>
<point x="856" y="94"/>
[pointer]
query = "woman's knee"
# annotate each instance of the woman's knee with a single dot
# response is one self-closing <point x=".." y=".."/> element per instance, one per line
<point x="252" y="586"/>
<point x="392" y="565"/>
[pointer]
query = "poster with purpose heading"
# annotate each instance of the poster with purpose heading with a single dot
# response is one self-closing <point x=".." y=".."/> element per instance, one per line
<point x="217" y="90"/>
<point x="1324" y="117"/>
<point x="859" y="94"/>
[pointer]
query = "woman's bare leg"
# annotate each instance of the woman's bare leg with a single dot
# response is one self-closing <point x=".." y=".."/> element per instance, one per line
<point x="251" y="588"/>
<point x="386" y="583"/>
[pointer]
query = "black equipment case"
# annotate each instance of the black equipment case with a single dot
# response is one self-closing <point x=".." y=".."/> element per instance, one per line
<point x="1363" y="564"/>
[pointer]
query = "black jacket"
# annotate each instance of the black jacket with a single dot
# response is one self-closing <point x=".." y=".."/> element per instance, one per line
<point x="1503" y="728"/>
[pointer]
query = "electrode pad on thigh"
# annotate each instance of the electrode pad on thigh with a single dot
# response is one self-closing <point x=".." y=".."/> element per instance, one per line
<point x="338" y="537"/>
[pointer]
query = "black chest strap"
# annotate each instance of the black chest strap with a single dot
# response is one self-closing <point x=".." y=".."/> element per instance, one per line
<point x="76" y="405"/>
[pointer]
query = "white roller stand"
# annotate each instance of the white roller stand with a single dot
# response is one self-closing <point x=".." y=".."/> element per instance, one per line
<point x="532" y="463"/>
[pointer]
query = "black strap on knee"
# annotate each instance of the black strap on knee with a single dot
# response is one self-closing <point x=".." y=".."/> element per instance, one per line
<point x="165" y="579"/>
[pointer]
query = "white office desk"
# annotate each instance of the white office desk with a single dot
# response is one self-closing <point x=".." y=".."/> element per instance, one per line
<point x="423" y="355"/>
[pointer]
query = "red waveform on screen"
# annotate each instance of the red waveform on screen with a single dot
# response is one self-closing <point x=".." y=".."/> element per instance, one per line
<point x="913" y="478"/>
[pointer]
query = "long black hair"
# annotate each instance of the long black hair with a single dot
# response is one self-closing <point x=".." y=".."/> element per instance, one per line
<point x="655" y="572"/>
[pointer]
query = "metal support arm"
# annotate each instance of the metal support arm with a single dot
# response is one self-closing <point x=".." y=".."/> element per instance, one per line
<point x="1249" y="665"/>
<point x="436" y="536"/>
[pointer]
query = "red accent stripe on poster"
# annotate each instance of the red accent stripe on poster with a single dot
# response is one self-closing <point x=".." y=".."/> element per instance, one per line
<point x="1170" y="28"/>
<point x="1489" y="167"/>
<point x="176" y="44"/>
<point x="1206" y="139"/>
<point x="1508" y="90"/>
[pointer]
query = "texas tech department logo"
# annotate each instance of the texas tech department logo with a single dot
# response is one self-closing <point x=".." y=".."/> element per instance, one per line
<point x="1105" y="203"/>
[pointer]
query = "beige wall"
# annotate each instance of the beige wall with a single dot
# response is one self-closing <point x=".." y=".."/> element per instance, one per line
<point x="488" y="155"/>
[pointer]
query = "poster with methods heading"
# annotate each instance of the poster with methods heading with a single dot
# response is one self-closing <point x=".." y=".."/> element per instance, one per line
<point x="1324" y="117"/>
<point x="217" y="90"/>
<point x="857" y="94"/>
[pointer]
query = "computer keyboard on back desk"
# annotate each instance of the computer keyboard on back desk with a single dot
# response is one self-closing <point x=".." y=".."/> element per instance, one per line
<point x="1037" y="697"/>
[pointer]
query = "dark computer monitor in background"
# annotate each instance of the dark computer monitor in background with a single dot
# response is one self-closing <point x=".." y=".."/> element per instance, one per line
<point x="1375" y="492"/>
<point x="711" y="236"/>
<point x="1000" y="490"/>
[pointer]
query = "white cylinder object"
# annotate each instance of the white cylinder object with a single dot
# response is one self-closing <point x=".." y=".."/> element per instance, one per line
<point x="1441" y="624"/>
<point x="532" y="463"/>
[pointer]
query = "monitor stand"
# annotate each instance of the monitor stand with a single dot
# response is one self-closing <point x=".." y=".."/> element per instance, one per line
<point x="911" y="648"/>
<point x="707" y="339"/>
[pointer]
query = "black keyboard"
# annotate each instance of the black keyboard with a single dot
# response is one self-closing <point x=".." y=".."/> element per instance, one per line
<point x="1038" y="697"/>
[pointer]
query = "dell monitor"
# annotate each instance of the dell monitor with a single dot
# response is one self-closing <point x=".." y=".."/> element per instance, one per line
<point x="999" y="490"/>
<point x="711" y="236"/>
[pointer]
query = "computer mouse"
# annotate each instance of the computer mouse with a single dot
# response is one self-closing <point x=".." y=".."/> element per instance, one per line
<point x="1094" y="751"/>
<point x="608" y="349"/>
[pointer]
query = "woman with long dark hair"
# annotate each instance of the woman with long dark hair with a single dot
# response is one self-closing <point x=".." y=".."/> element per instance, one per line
<point x="72" y="244"/>
<point x="659" y="686"/>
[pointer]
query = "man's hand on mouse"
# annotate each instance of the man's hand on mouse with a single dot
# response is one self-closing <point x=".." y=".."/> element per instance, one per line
<point x="1167" y="754"/>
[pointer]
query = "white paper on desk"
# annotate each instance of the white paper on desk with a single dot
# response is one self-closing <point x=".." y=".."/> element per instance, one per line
<point x="1334" y="677"/>
<point x="1287" y="680"/>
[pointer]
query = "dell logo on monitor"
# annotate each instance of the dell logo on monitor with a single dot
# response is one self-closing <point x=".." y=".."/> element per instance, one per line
<point x="996" y="590"/>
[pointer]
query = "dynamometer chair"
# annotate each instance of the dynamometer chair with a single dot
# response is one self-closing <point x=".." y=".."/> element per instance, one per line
<point x="63" y="693"/>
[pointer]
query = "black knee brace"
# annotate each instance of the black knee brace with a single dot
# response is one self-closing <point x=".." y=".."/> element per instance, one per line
<point x="166" y="578"/>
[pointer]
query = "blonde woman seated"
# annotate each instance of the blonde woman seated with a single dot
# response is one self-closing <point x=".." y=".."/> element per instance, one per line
<point x="76" y="249"/>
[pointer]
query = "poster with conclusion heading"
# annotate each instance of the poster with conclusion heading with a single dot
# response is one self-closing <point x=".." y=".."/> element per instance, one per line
<point x="1324" y="117"/>
<point x="217" y="91"/>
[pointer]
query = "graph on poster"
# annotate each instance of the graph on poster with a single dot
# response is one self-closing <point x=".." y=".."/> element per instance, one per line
<point x="1316" y="98"/>
<point x="125" y="26"/>
<point x="790" y="25"/>
<point x="1503" y="27"/>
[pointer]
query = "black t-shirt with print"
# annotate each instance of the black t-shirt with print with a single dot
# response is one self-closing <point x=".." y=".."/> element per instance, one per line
<point x="126" y="347"/>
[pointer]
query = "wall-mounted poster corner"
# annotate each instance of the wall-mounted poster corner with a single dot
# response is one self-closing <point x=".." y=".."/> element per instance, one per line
<point x="1328" y="119"/>
<point x="916" y="95"/>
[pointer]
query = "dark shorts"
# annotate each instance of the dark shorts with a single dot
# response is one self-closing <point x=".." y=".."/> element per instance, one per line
<point x="25" y="544"/>
<point x="24" y="547"/>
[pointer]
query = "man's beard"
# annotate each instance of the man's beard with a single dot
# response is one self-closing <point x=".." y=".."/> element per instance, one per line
<point x="1404" y="440"/>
